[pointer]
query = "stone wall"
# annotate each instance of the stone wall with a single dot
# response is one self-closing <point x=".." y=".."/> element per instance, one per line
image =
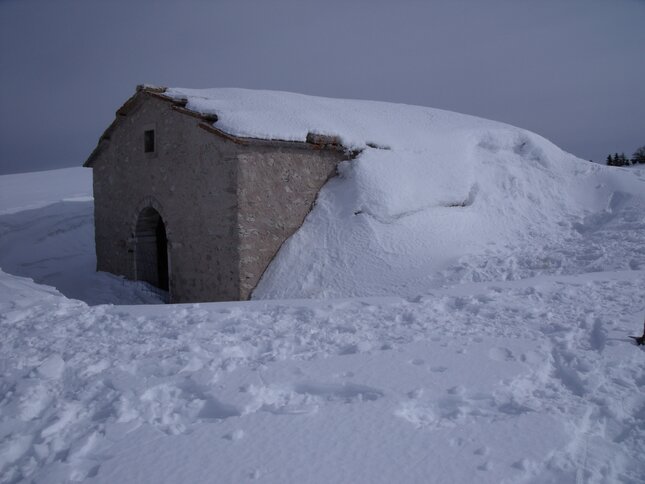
<point x="227" y="204"/>
<point x="277" y="187"/>
<point x="191" y="180"/>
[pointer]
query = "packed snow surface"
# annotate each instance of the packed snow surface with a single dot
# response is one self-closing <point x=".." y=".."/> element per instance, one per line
<point x="478" y="330"/>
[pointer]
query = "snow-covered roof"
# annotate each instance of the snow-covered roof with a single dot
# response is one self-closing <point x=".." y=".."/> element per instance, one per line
<point x="425" y="187"/>
<point x="359" y="124"/>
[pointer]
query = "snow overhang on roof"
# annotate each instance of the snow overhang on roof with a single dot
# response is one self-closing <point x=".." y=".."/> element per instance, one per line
<point x="207" y="119"/>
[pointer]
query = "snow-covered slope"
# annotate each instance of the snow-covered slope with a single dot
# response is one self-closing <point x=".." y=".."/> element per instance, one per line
<point x="47" y="234"/>
<point x="431" y="191"/>
<point x="28" y="191"/>
<point x="509" y="382"/>
<point x="507" y="361"/>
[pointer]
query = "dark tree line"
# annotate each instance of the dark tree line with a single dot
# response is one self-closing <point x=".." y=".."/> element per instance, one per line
<point x="621" y="160"/>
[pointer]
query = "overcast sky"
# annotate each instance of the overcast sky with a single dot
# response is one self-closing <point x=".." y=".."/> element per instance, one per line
<point x="570" y="70"/>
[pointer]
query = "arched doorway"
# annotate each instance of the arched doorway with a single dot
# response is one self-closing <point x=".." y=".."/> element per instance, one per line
<point x="151" y="263"/>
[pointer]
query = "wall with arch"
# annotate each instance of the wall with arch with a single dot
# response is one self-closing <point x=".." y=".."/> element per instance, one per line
<point x="227" y="204"/>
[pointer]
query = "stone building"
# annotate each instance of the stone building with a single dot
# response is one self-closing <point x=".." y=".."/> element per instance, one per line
<point x="193" y="210"/>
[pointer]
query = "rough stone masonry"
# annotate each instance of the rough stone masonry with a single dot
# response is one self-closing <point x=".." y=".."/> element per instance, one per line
<point x="193" y="210"/>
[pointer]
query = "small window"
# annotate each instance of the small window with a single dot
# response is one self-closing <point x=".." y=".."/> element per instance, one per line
<point x="149" y="141"/>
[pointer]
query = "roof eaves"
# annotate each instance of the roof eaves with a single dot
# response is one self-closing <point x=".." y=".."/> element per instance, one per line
<point x="103" y="141"/>
<point x="313" y="140"/>
<point x="125" y="109"/>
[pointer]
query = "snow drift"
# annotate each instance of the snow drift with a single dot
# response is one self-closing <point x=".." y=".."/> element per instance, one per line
<point x="431" y="190"/>
<point x="506" y="381"/>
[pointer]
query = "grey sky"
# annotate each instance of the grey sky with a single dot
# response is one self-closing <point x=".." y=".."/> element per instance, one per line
<point x="570" y="70"/>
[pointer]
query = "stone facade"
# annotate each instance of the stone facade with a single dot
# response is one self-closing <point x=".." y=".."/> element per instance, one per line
<point x="217" y="207"/>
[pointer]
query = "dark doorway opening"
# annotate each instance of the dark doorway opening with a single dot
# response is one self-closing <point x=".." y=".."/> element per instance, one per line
<point x="151" y="249"/>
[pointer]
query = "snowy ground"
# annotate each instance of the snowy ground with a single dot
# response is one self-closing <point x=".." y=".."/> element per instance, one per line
<point x="530" y="381"/>
<point x="47" y="234"/>
<point x="511" y="364"/>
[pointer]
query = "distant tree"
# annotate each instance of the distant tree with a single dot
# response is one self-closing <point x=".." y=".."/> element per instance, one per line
<point x="622" y="160"/>
<point x="639" y="155"/>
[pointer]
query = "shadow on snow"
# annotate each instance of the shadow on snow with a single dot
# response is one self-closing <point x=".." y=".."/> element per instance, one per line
<point x="54" y="245"/>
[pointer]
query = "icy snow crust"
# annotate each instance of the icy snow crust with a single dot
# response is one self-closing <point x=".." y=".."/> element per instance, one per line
<point x="510" y="364"/>
<point x="441" y="191"/>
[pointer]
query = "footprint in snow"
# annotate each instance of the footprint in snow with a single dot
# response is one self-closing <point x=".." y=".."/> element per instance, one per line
<point x="486" y="466"/>
<point x="457" y="442"/>
<point x="438" y="369"/>
<point x="306" y="397"/>
<point x="234" y="435"/>
<point x="173" y="408"/>
<point x="501" y="354"/>
<point x="482" y="451"/>
<point x="532" y="357"/>
<point x="346" y="392"/>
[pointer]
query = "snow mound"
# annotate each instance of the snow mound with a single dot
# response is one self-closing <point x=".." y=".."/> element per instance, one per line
<point x="431" y="193"/>
<point x="520" y="381"/>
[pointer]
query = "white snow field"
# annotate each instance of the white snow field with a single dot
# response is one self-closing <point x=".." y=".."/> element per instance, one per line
<point x="475" y="290"/>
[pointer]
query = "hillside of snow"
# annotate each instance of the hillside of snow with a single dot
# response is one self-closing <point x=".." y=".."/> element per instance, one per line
<point x="433" y="198"/>
<point x="476" y="293"/>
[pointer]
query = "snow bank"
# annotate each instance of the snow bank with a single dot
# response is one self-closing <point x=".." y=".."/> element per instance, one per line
<point x="26" y="191"/>
<point x="516" y="381"/>
<point x="432" y="196"/>
<point x="47" y="234"/>
<point x="531" y="381"/>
